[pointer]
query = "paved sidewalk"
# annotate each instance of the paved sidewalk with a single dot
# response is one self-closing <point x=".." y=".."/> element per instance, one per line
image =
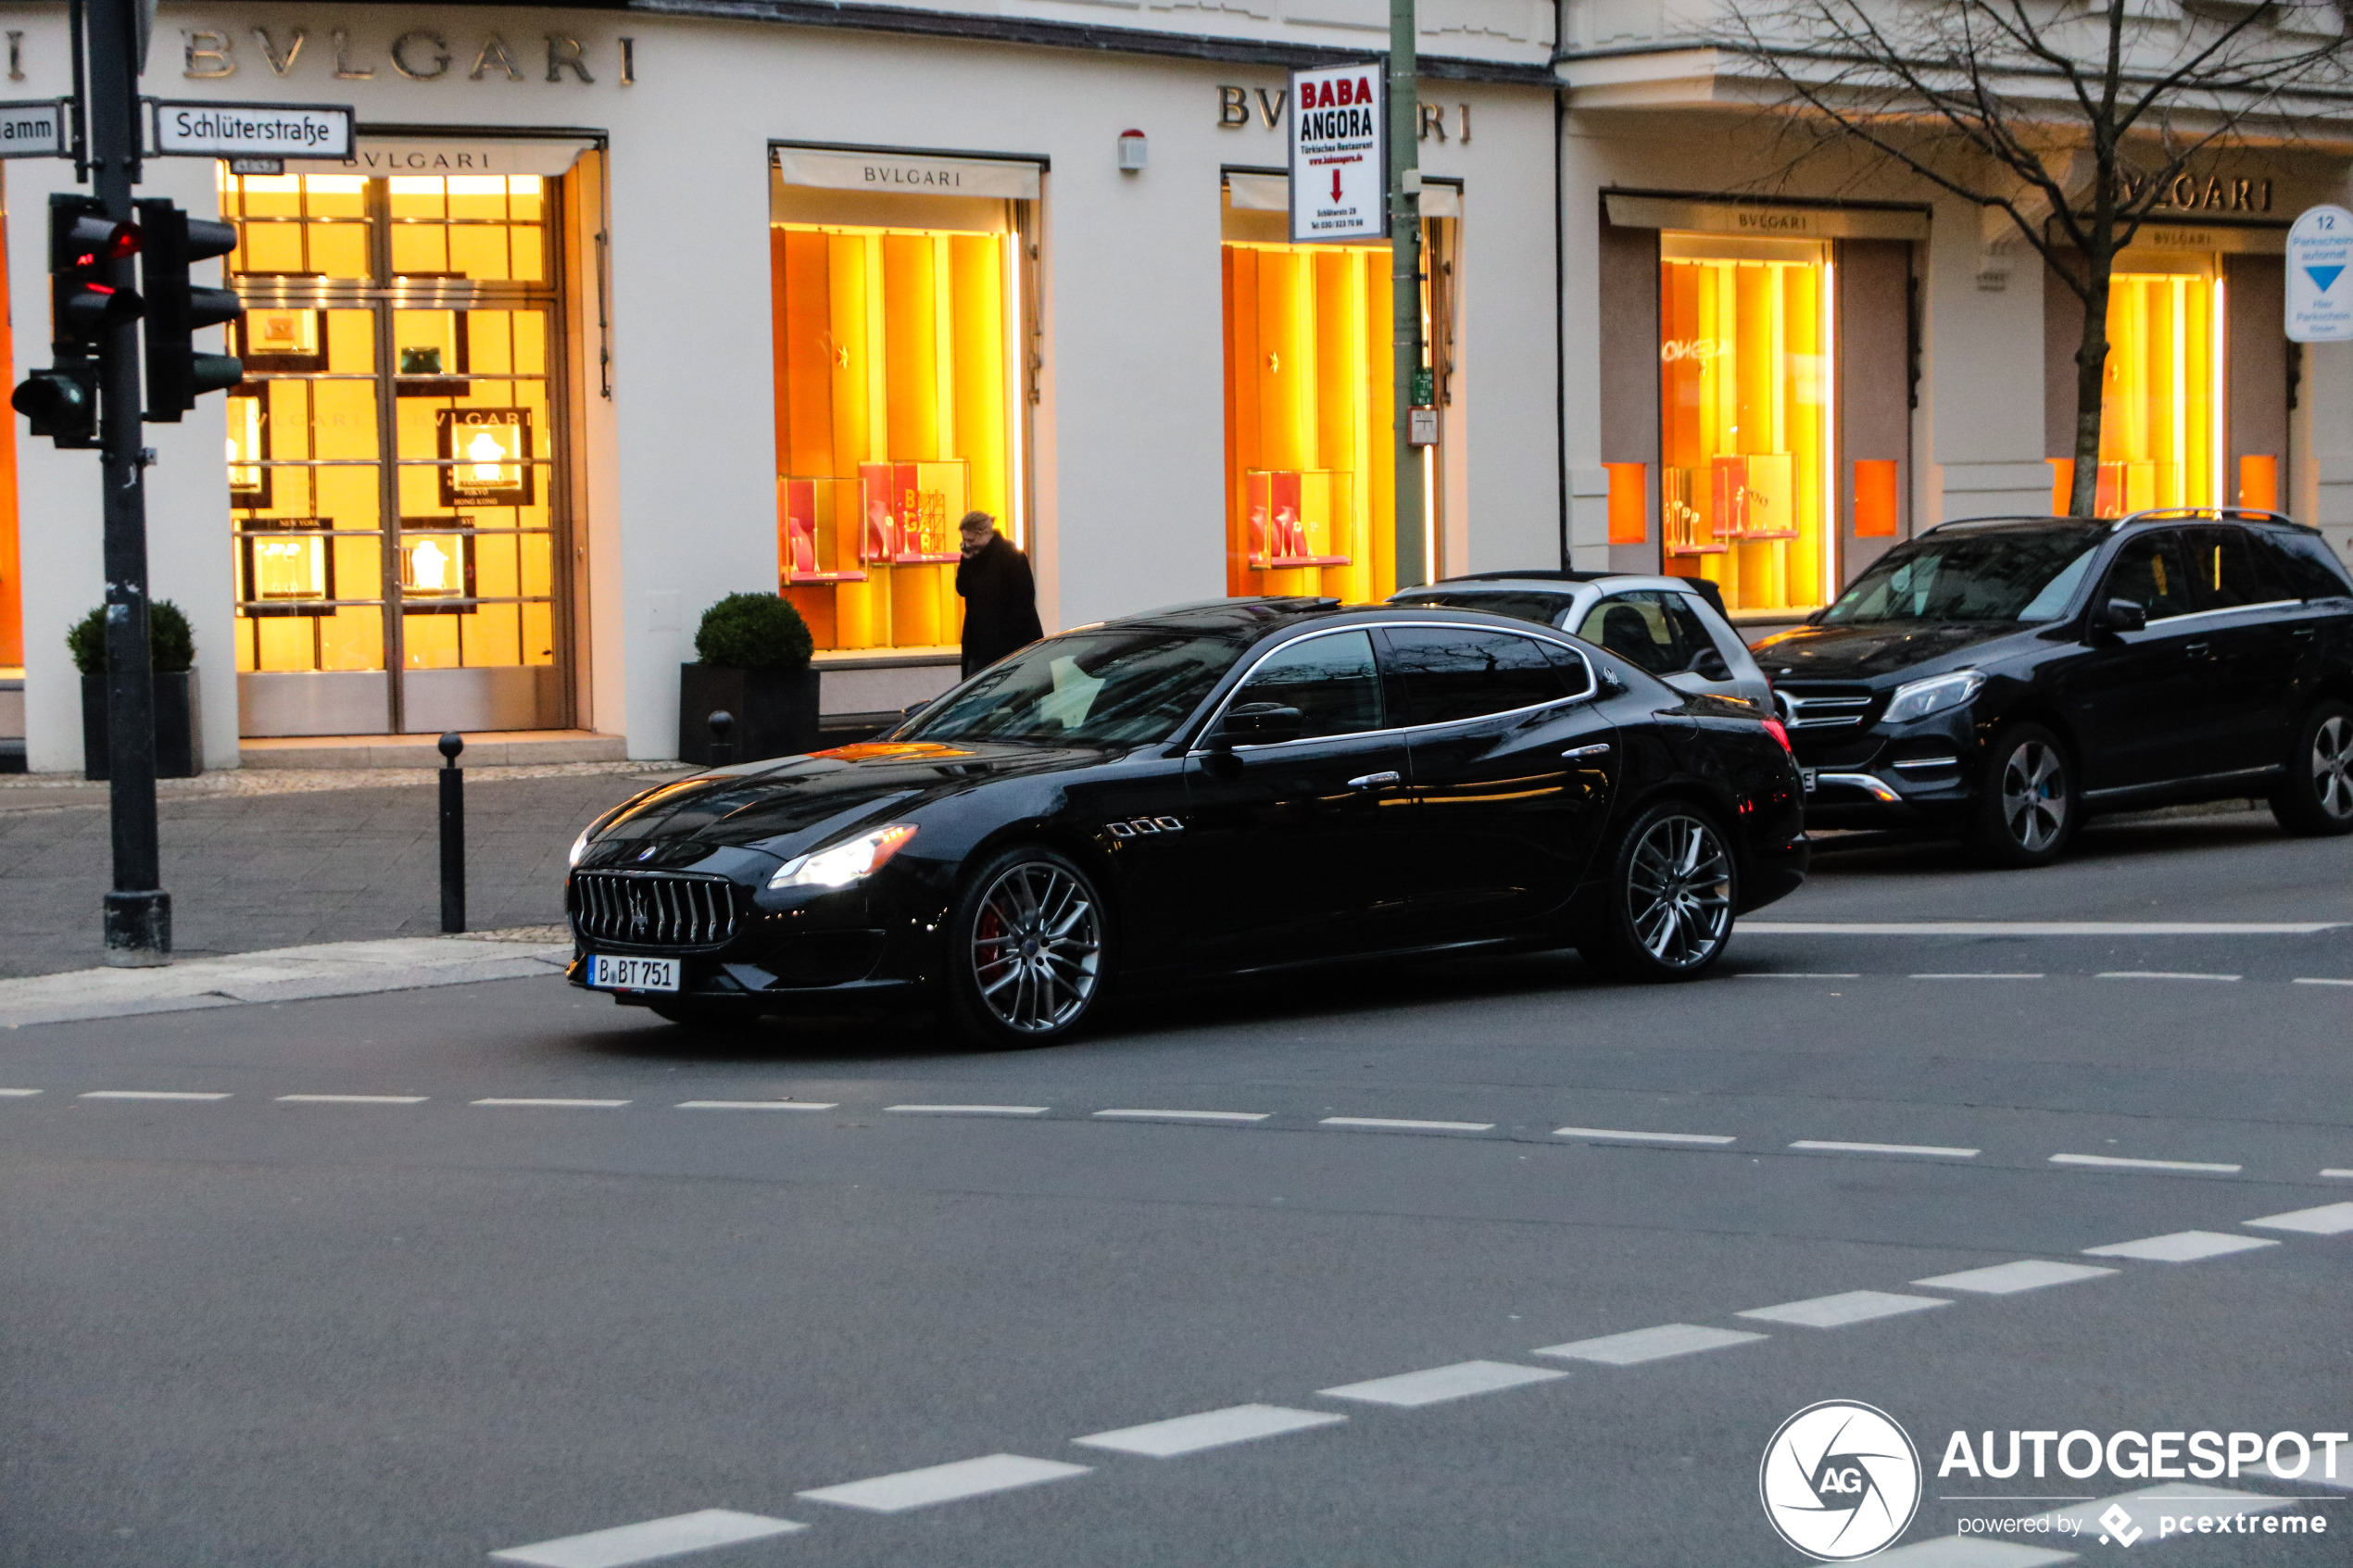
<point x="250" y="870"/>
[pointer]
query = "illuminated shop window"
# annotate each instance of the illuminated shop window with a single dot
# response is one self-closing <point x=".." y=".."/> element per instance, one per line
<point x="1309" y="470"/>
<point x="899" y="344"/>
<point x="2162" y="411"/>
<point x="1746" y="418"/>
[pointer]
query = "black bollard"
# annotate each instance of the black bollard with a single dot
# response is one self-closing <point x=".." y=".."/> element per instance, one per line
<point x="722" y="750"/>
<point x="453" y="835"/>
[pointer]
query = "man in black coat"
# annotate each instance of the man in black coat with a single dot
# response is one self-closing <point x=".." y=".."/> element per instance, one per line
<point x="1001" y="598"/>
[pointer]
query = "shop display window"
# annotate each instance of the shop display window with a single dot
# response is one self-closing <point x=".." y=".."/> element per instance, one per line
<point x="2162" y="405"/>
<point x="899" y="404"/>
<point x="1311" y="479"/>
<point x="1747" y="427"/>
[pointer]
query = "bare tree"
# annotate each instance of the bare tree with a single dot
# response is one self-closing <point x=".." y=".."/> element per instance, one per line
<point x="2083" y="114"/>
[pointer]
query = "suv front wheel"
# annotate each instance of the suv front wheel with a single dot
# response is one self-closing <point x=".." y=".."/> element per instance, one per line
<point x="2027" y="804"/>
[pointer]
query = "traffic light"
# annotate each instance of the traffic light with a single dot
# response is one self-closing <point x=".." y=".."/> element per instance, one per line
<point x="62" y="403"/>
<point x="177" y="374"/>
<point x="84" y="307"/>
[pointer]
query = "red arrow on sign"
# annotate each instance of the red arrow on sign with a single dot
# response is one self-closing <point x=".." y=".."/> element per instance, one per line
<point x="1335" y="186"/>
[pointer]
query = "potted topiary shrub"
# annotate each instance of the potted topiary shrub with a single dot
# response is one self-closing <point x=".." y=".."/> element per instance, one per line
<point x="171" y="653"/>
<point x="754" y="666"/>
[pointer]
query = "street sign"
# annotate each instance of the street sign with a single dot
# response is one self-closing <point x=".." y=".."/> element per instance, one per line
<point x="251" y="130"/>
<point x="34" y="130"/>
<point x="1339" y="153"/>
<point x="2320" y="293"/>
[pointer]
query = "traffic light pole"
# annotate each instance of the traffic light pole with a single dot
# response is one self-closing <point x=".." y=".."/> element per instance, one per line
<point x="138" y="911"/>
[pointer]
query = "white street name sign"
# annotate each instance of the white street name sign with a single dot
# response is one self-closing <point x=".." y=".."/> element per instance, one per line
<point x="2319" y="291"/>
<point x="33" y="130"/>
<point x="1339" y="153"/>
<point x="252" y="130"/>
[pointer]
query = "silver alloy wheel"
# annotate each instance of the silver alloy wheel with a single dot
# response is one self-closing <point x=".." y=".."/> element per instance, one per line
<point x="2332" y="765"/>
<point x="1037" y="941"/>
<point x="1678" y="891"/>
<point x="2035" y="795"/>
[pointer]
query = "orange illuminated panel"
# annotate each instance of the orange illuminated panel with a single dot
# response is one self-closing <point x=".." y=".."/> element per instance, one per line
<point x="2162" y="409"/>
<point x="1628" y="503"/>
<point x="1875" y="508"/>
<point x="2260" y="480"/>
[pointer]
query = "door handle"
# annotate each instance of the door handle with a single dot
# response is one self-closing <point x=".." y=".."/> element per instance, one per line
<point x="2196" y="650"/>
<point x="1575" y="752"/>
<point x="2302" y="633"/>
<point x="1376" y="781"/>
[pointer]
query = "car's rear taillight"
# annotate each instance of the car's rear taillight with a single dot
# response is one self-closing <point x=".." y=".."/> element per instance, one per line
<point x="1773" y="727"/>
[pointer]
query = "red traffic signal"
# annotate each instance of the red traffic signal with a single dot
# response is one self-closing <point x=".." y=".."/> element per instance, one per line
<point x="86" y="252"/>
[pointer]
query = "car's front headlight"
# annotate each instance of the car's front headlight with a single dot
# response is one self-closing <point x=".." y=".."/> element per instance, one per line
<point x="840" y="864"/>
<point x="1918" y="699"/>
<point x="580" y="845"/>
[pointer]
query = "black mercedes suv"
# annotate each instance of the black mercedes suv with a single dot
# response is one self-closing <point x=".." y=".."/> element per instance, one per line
<point x="2006" y="677"/>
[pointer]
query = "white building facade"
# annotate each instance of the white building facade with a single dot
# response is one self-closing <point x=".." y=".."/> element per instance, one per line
<point x="621" y="310"/>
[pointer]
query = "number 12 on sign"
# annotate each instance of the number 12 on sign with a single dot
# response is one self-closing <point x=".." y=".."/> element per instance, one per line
<point x="1339" y="153"/>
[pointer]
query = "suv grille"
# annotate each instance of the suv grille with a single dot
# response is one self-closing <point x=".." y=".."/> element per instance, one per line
<point x="653" y="910"/>
<point x="1822" y="711"/>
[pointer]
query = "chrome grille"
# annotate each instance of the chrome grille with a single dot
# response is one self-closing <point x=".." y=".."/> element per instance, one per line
<point x="653" y="910"/>
<point x="1826" y="711"/>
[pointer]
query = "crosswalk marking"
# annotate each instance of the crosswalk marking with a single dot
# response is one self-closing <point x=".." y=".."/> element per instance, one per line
<point x="1210" y="1429"/>
<point x="2117" y="1163"/>
<point x="757" y="1105"/>
<point x="554" y="1104"/>
<point x="1825" y="1146"/>
<point x="351" y="1100"/>
<point x="148" y="1094"/>
<point x="1615" y="1134"/>
<point x="650" y="1542"/>
<point x="1183" y="1115"/>
<point x="1410" y="1390"/>
<point x="944" y="1483"/>
<point x="2180" y="1247"/>
<point x="18" y="1093"/>
<point x="2329" y="1218"/>
<point x="1390" y="1125"/>
<point x="2159" y="974"/>
<point x="1640" y="1345"/>
<point x="2009" y="1279"/>
<point x="970" y="1110"/>
<point x="1847" y="1306"/>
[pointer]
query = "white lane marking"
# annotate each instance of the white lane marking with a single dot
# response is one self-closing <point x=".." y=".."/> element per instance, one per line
<point x="2343" y="1174"/>
<point x="2009" y="1279"/>
<point x="1825" y="1145"/>
<point x="1972" y="1552"/>
<point x="1613" y="1135"/>
<point x="1847" y="1306"/>
<point x="556" y="1104"/>
<point x="647" y="1542"/>
<point x="944" y="1483"/>
<point x="970" y="1110"/>
<point x="146" y="1094"/>
<point x="18" y="1093"/>
<point x="2304" y="982"/>
<point x="2181" y="1246"/>
<point x="2157" y="974"/>
<point x="1409" y="1390"/>
<point x="1388" y="1124"/>
<point x="1789" y="973"/>
<point x="757" y="1105"/>
<point x="2040" y="928"/>
<point x="1185" y="1115"/>
<point x="1210" y="1429"/>
<point x="1649" y="1344"/>
<point x="2117" y="1163"/>
<point x="2329" y="1218"/>
<point x="1987" y="976"/>
<point x="351" y="1100"/>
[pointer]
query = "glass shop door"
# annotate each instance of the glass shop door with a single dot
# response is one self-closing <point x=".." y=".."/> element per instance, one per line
<point x="395" y="455"/>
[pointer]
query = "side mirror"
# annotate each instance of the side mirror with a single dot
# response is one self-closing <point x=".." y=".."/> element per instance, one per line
<point x="2121" y="615"/>
<point x="1710" y="666"/>
<point x="1258" y="724"/>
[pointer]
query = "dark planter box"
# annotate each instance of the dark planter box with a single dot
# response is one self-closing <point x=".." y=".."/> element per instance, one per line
<point x="179" y="726"/>
<point x="775" y="711"/>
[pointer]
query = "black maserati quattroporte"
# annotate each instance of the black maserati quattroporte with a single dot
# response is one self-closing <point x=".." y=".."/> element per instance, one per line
<point x="1241" y="785"/>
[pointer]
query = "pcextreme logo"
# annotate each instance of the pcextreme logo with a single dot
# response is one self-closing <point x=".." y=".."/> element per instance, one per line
<point x="1839" y="1480"/>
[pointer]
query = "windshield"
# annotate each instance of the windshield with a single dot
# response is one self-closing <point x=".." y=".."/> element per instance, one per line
<point x="2003" y="575"/>
<point x="1092" y="689"/>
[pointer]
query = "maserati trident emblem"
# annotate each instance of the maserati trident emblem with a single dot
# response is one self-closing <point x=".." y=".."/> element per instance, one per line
<point x="639" y="917"/>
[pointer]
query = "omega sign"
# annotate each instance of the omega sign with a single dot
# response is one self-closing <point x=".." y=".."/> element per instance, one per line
<point x="422" y="53"/>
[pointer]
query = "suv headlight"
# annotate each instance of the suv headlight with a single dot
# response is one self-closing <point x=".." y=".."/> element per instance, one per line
<point x="840" y="864"/>
<point x="1918" y="699"/>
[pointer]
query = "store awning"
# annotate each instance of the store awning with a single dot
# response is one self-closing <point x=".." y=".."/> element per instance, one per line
<point x="908" y="173"/>
<point x="1758" y="220"/>
<point x="545" y="156"/>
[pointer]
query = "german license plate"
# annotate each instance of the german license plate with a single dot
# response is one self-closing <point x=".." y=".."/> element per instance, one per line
<point x="1805" y="777"/>
<point x="606" y="972"/>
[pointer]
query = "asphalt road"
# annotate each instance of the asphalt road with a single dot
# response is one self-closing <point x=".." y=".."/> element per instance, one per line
<point x="429" y="1327"/>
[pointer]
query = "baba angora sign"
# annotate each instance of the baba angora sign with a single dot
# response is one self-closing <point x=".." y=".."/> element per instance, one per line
<point x="1339" y="153"/>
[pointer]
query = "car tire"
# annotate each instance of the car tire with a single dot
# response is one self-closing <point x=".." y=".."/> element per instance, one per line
<point x="1027" y="943"/>
<point x="708" y="1017"/>
<point x="1670" y="893"/>
<point x="2028" y="804"/>
<point x="2315" y="799"/>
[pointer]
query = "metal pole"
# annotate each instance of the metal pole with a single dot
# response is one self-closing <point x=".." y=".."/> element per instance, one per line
<point x="453" y="835"/>
<point x="1405" y="282"/>
<point x="138" y="911"/>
